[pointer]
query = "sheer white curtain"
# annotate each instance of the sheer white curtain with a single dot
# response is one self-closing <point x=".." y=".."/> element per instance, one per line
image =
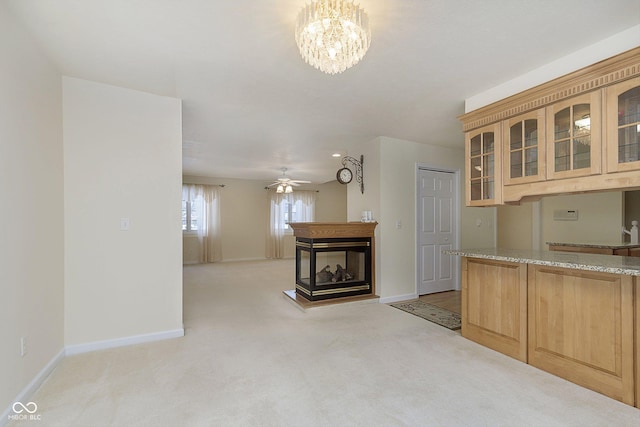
<point x="275" y="239"/>
<point x="207" y="206"/>
<point x="305" y="202"/>
<point x="304" y="211"/>
<point x="209" y="233"/>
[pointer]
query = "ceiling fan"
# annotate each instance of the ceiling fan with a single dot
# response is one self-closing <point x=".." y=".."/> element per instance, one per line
<point x="285" y="184"/>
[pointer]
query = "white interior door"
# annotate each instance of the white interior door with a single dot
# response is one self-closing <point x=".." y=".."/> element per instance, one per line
<point x="436" y="227"/>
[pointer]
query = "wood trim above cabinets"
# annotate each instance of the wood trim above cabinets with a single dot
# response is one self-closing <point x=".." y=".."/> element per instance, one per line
<point x="604" y="73"/>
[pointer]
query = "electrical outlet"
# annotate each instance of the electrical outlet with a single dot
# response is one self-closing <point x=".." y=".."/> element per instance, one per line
<point x="23" y="346"/>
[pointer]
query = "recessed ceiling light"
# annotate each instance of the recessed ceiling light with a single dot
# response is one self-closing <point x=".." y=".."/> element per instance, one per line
<point x="336" y="155"/>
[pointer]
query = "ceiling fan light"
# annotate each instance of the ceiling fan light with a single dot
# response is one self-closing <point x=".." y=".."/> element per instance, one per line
<point x="280" y="189"/>
<point x="289" y="189"/>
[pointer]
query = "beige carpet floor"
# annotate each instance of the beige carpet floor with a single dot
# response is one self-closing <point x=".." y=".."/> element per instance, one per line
<point x="250" y="358"/>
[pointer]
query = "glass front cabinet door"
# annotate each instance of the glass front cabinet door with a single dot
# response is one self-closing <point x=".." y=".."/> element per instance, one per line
<point x="484" y="171"/>
<point x="622" y="120"/>
<point x="524" y="148"/>
<point x="573" y="137"/>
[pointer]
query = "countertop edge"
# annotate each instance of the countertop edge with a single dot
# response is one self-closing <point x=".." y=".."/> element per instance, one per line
<point x="596" y="245"/>
<point x="562" y="259"/>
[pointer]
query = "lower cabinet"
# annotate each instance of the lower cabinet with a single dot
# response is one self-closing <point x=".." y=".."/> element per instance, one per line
<point x="581" y="328"/>
<point x="576" y="324"/>
<point x="494" y="305"/>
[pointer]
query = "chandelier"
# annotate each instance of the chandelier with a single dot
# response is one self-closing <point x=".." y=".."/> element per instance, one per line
<point x="333" y="35"/>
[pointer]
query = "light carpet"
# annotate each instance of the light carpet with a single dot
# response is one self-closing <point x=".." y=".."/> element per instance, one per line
<point x="430" y="312"/>
<point x="250" y="358"/>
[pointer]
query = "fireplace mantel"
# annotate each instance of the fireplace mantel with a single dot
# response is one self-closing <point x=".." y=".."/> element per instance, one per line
<point x="318" y="230"/>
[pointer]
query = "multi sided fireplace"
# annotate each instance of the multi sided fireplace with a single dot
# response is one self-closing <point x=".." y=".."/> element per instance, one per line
<point x="334" y="259"/>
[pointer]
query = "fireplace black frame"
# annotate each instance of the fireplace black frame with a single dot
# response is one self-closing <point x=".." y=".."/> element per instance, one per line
<point x="353" y="247"/>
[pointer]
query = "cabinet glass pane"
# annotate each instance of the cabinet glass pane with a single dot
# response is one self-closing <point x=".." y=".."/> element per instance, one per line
<point x="476" y="168"/>
<point x="581" y="120"/>
<point x="629" y="144"/>
<point x="562" y="156"/>
<point x="487" y="165"/>
<point x="530" y="133"/>
<point x="476" y="190"/>
<point x="487" y="142"/>
<point x="487" y="189"/>
<point x="516" y="164"/>
<point x="524" y="148"/>
<point x="475" y="145"/>
<point x="531" y="161"/>
<point x="629" y="125"/>
<point x="515" y="136"/>
<point x="572" y="128"/>
<point x="581" y="153"/>
<point x="562" y="123"/>
<point x="629" y="107"/>
<point x="482" y="166"/>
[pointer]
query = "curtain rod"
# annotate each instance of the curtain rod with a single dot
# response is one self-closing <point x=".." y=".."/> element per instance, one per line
<point x="210" y="185"/>
<point x="317" y="191"/>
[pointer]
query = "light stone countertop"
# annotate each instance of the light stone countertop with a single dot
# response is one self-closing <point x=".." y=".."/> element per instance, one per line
<point x="579" y="261"/>
<point x="604" y="245"/>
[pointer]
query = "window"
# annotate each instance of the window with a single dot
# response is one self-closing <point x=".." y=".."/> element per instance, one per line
<point x="290" y="214"/>
<point x="189" y="215"/>
<point x="192" y="208"/>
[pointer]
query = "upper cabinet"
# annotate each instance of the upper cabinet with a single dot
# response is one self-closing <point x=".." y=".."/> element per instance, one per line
<point x="484" y="168"/>
<point x="573" y="131"/>
<point x="623" y="126"/>
<point x="524" y="148"/>
<point x="578" y="133"/>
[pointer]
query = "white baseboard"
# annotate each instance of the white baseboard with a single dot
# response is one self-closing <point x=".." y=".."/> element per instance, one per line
<point x="397" y="298"/>
<point x="26" y="394"/>
<point x="121" y="342"/>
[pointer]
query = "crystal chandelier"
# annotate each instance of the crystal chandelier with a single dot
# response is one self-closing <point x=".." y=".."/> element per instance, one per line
<point x="333" y="35"/>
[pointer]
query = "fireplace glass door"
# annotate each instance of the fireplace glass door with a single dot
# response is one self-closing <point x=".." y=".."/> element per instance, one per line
<point x="330" y="268"/>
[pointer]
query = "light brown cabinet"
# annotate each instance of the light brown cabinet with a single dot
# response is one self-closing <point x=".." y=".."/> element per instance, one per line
<point x="524" y="148"/>
<point x="581" y="328"/>
<point x="552" y="137"/>
<point x="574" y="131"/>
<point x="484" y="166"/>
<point x="581" y="325"/>
<point x="494" y="305"/>
<point x="623" y="126"/>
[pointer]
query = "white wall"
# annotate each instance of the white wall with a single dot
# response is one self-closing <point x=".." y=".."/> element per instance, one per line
<point x="600" y="218"/>
<point x="244" y="216"/>
<point x="31" y="228"/>
<point x="515" y="225"/>
<point x="611" y="46"/>
<point x="122" y="159"/>
<point x="390" y="191"/>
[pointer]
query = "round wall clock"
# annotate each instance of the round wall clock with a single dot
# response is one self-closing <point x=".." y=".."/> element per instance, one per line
<point x="344" y="175"/>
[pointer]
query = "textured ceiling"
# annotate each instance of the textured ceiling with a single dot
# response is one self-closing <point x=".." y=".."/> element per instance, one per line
<point x="252" y="106"/>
